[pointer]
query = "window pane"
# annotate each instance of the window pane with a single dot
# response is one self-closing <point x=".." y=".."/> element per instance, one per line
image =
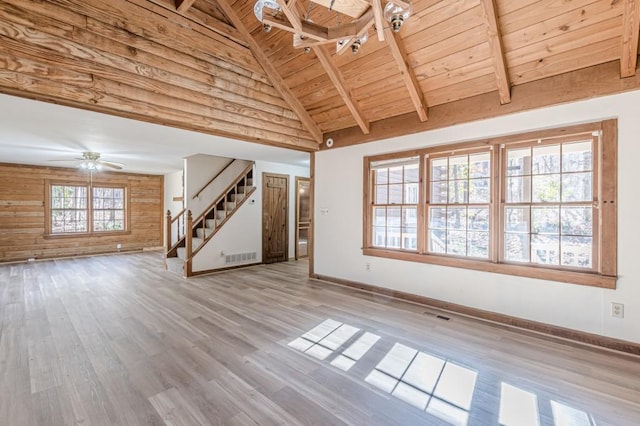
<point x="546" y="159"/>
<point x="439" y="169"/>
<point x="457" y="243"/>
<point x="479" y="191"/>
<point x="480" y="165"/>
<point x="478" y="219"/>
<point x="546" y="188"/>
<point x="577" y="220"/>
<point x="459" y="167"/>
<point x="395" y="194"/>
<point x="458" y="191"/>
<point x="379" y="234"/>
<point x="409" y="238"/>
<point x="577" y="251"/>
<point x="516" y="219"/>
<point x="577" y="157"/>
<point x="518" y="189"/>
<point x="577" y="187"/>
<point x="394" y="237"/>
<point x="381" y="195"/>
<point x="439" y="192"/>
<point x="516" y="247"/>
<point x="545" y="220"/>
<point x="478" y="244"/>
<point x="412" y="173"/>
<point x="379" y="216"/>
<point x="457" y="218"/>
<point x="437" y="241"/>
<point x="395" y="174"/>
<point x="519" y="162"/>
<point x="410" y="217"/>
<point x="545" y="249"/>
<point x="411" y="193"/>
<point x="393" y="216"/>
<point x="437" y="217"/>
<point x="382" y="176"/>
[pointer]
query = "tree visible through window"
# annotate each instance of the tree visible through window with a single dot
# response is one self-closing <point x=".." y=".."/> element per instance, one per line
<point x="395" y="206"/>
<point x="82" y="209"/>
<point x="541" y="204"/>
<point x="460" y="193"/>
<point x="108" y="209"/>
<point x="549" y="204"/>
<point x="68" y="209"/>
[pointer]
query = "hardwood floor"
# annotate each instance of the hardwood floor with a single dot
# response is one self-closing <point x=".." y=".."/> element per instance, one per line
<point x="118" y="340"/>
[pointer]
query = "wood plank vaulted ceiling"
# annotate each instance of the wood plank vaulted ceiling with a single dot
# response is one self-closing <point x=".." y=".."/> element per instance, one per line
<point x="207" y="65"/>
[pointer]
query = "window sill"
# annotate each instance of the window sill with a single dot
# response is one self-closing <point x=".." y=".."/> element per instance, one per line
<point x="571" y="277"/>
<point x="86" y="235"/>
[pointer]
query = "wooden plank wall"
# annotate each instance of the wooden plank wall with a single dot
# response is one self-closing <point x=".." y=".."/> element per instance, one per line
<point x="22" y="214"/>
<point x="127" y="58"/>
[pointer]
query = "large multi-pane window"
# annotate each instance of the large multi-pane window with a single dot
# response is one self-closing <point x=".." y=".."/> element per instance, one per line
<point x="108" y="209"/>
<point x="69" y="209"/>
<point x="84" y="209"/>
<point x="458" y="208"/>
<point x="395" y="203"/>
<point x="541" y="205"/>
<point x="549" y="204"/>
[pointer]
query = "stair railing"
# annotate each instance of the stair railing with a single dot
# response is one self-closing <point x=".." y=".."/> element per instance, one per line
<point x="200" y="220"/>
<point x="179" y="221"/>
<point x="212" y="179"/>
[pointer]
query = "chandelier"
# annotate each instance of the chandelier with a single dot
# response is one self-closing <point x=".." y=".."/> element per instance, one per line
<point x="361" y="16"/>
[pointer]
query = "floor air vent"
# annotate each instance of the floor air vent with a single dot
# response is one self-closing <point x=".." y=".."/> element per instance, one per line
<point x="240" y="258"/>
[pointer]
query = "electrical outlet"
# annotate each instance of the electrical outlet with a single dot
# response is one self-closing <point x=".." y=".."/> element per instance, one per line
<point x="367" y="266"/>
<point x="617" y="310"/>
<point x="118" y="246"/>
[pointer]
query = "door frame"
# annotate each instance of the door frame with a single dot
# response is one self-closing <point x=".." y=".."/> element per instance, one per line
<point x="264" y="200"/>
<point x="297" y="229"/>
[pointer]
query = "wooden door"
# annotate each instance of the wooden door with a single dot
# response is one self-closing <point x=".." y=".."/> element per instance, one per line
<point x="275" y="214"/>
<point x="303" y="216"/>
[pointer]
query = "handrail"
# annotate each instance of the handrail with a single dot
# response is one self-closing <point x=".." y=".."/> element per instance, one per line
<point x="213" y="178"/>
<point x="224" y="193"/>
<point x="176" y="217"/>
<point x="244" y="174"/>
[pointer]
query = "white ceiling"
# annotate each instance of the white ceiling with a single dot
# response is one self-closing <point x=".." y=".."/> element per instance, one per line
<point x="33" y="132"/>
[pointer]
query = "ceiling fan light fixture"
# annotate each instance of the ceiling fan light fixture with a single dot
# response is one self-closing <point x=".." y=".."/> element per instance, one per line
<point x="396" y="14"/>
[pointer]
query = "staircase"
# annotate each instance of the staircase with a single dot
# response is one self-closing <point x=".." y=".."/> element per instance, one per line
<point x="199" y="231"/>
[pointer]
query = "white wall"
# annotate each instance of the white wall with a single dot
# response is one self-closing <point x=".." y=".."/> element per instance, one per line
<point x="198" y="170"/>
<point x="242" y="233"/>
<point x="172" y="188"/>
<point x="338" y="233"/>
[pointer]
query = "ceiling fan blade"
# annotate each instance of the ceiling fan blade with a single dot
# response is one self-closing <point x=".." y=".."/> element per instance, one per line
<point x="66" y="160"/>
<point x="112" y="165"/>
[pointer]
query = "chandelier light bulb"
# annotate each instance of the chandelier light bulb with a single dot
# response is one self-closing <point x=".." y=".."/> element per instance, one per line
<point x="260" y="5"/>
<point x="396" y="15"/>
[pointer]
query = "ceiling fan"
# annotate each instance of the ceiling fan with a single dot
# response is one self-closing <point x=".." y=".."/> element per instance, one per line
<point x="91" y="161"/>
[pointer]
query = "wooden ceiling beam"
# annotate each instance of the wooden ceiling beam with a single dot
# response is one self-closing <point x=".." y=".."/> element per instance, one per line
<point x="630" y="35"/>
<point x="332" y="71"/>
<point x="400" y="55"/>
<point x="376" y="5"/>
<point x="497" y="51"/>
<point x="183" y="5"/>
<point x="341" y="86"/>
<point x="584" y="83"/>
<point x="275" y="77"/>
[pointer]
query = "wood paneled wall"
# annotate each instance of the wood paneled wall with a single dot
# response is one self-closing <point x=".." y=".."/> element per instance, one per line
<point x="22" y="213"/>
<point x="138" y="60"/>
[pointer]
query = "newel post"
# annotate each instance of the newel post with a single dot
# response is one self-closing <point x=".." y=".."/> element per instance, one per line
<point x="188" y="234"/>
<point x="168" y="230"/>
